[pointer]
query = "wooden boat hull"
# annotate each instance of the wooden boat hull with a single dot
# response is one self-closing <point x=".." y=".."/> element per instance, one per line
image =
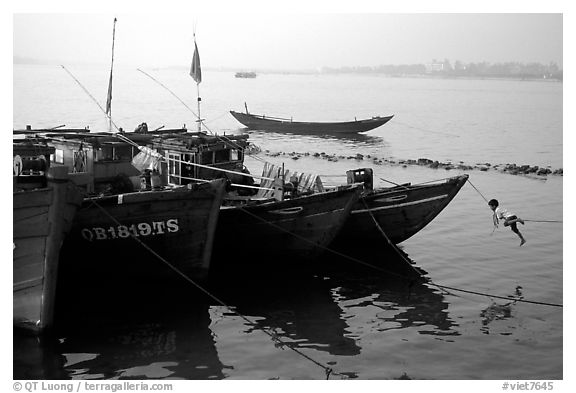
<point x="296" y="229"/>
<point x="135" y="234"/>
<point x="258" y="122"/>
<point x="400" y="211"/>
<point x="41" y="219"/>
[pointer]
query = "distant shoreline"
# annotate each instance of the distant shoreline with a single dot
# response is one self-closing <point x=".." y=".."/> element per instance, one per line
<point x="22" y="62"/>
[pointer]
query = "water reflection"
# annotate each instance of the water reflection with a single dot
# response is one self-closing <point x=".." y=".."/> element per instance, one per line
<point x="401" y="306"/>
<point x="398" y="288"/>
<point x="125" y="334"/>
<point x="499" y="311"/>
<point x="143" y="331"/>
<point x="37" y="358"/>
<point x="300" y="310"/>
<point x="357" y="138"/>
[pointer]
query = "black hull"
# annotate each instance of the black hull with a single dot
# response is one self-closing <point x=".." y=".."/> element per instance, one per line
<point x="135" y="234"/>
<point x="401" y="212"/>
<point x="257" y="122"/>
<point x="297" y="229"/>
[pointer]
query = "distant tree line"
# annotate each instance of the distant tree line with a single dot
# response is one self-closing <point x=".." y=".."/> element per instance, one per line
<point x="445" y="68"/>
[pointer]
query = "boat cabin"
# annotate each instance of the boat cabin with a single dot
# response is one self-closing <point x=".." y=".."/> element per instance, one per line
<point x="99" y="163"/>
<point x="103" y="162"/>
<point x="182" y="151"/>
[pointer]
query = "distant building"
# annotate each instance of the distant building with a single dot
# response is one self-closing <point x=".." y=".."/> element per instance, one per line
<point x="434" y="67"/>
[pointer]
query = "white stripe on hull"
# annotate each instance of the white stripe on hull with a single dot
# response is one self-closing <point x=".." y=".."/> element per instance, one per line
<point x="400" y="204"/>
<point x="329" y="212"/>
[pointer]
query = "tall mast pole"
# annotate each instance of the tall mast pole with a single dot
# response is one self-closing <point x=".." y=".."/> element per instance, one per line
<point x="199" y="99"/>
<point x="109" y="97"/>
<point x="196" y="74"/>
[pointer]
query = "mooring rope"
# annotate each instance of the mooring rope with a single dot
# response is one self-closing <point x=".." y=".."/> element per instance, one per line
<point x="552" y="221"/>
<point x="327" y="249"/>
<point x="494" y="296"/>
<point x="387" y="238"/>
<point x="477" y="190"/>
<point x="273" y="335"/>
<point x="410" y="279"/>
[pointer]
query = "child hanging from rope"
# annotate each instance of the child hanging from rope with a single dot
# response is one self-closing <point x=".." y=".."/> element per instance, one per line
<point x="509" y="219"/>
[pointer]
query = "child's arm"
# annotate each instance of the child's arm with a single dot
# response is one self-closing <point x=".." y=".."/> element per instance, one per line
<point x="495" y="220"/>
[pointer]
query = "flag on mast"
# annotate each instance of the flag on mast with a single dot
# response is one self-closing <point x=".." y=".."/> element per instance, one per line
<point x="109" y="98"/>
<point x="195" y="71"/>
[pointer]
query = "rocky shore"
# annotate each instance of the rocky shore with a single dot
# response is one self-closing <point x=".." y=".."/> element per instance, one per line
<point x="512" y="169"/>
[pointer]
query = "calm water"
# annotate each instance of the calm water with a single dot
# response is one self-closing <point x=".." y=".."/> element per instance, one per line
<point x="360" y="323"/>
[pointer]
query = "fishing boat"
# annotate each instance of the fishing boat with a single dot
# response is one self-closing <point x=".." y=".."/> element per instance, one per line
<point x="398" y="212"/>
<point x="279" y="124"/>
<point x="299" y="227"/>
<point x="127" y="213"/>
<point x="44" y="205"/>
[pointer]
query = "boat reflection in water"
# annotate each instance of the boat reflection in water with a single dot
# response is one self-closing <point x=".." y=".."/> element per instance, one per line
<point x="157" y="332"/>
<point x="358" y="139"/>
<point x="37" y="357"/>
<point x="391" y="281"/>
<point x="146" y="333"/>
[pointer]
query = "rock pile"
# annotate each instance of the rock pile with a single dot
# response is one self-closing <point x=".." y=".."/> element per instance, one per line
<point x="512" y="169"/>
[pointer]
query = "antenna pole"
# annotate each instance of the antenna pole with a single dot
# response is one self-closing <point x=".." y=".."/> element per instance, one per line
<point x="199" y="99"/>
<point x="109" y="98"/>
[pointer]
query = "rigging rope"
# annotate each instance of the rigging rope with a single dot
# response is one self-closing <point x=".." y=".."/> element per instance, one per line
<point x="92" y="97"/>
<point x="194" y="113"/>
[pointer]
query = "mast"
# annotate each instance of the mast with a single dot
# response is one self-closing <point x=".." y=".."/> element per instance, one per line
<point x="199" y="99"/>
<point x="196" y="74"/>
<point x="109" y="97"/>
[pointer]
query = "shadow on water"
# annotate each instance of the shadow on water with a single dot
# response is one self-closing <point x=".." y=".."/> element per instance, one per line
<point x="340" y="137"/>
<point x="119" y="329"/>
<point x="391" y="281"/>
<point x="498" y="311"/>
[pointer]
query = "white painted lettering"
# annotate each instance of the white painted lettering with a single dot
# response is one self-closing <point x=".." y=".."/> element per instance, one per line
<point x="159" y="227"/>
<point x="87" y="234"/>
<point x="172" y="225"/>
<point x="100" y="233"/>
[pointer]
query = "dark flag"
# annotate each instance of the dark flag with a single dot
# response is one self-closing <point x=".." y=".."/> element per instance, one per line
<point x="109" y="98"/>
<point x="195" y="71"/>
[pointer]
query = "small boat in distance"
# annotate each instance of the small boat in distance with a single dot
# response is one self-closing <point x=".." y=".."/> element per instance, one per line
<point x="279" y="124"/>
<point x="245" y="75"/>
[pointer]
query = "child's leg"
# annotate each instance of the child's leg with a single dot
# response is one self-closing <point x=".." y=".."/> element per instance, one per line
<point x="514" y="220"/>
<point x="514" y="228"/>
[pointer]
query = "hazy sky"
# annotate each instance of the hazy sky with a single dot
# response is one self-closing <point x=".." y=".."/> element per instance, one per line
<point x="289" y="40"/>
